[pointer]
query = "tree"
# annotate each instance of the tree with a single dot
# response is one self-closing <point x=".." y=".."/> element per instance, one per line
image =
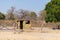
<point x="33" y="15"/>
<point x="10" y="14"/>
<point x="22" y="14"/>
<point x="42" y="15"/>
<point x="53" y="11"/>
<point x="2" y="16"/>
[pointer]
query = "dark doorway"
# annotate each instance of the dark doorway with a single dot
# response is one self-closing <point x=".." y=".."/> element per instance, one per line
<point x="21" y="24"/>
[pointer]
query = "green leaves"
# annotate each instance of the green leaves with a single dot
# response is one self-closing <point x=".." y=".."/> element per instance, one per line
<point x="33" y="15"/>
<point x="2" y="16"/>
<point x="53" y="11"/>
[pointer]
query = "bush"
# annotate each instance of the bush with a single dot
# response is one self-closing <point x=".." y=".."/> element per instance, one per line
<point x="2" y="16"/>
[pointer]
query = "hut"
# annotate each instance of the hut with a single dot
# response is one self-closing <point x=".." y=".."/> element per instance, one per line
<point x="23" y="24"/>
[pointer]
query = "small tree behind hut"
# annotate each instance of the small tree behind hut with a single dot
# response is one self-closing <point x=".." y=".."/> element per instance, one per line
<point x="22" y="14"/>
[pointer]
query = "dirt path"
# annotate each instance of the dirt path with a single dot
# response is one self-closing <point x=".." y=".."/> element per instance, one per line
<point x="9" y="35"/>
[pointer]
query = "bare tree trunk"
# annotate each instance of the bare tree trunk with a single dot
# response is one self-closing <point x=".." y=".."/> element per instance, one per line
<point x="42" y="26"/>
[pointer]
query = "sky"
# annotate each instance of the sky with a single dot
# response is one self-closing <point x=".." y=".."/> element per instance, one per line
<point x="31" y="5"/>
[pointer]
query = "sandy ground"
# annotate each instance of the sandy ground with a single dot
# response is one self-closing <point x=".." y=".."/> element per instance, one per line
<point x="30" y="35"/>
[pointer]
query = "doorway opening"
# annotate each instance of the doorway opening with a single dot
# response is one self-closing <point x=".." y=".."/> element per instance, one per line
<point x="21" y="24"/>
